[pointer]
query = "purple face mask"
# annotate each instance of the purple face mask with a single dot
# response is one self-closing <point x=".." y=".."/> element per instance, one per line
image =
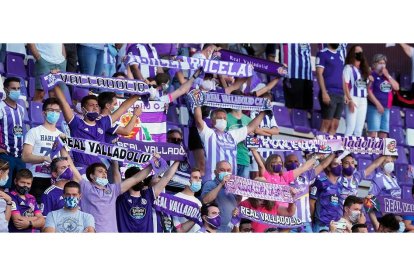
<point x="277" y="168"/>
<point x="348" y="171"/>
<point x="215" y="222"/>
<point x="336" y="170"/>
<point x="92" y="116"/>
<point x="291" y="166"/>
<point x="66" y="175"/>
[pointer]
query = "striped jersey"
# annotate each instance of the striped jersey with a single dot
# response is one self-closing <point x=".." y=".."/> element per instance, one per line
<point x="357" y="86"/>
<point x="11" y="128"/>
<point x="383" y="185"/>
<point x="297" y="57"/>
<point x="219" y="146"/>
<point x="302" y="184"/>
<point x="349" y="186"/>
<point x="144" y="50"/>
<point x="341" y="48"/>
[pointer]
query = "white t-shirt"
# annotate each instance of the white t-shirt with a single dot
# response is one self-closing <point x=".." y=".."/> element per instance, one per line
<point x="51" y="52"/>
<point x="42" y="141"/>
<point x="181" y="220"/>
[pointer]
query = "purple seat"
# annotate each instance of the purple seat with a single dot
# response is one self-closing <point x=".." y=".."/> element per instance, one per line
<point x="300" y="121"/>
<point x="395" y="117"/>
<point x="316" y="120"/>
<point x="411" y="154"/>
<point x="78" y="93"/>
<point x="316" y="87"/>
<point x="15" y="65"/>
<point x="30" y="67"/>
<point x="402" y="157"/>
<point x="2" y="71"/>
<point x="397" y="133"/>
<point x="23" y="88"/>
<point x="409" y="118"/>
<point x="406" y="191"/>
<point x="35" y="113"/>
<point x="405" y="82"/>
<point x="31" y="88"/>
<point x="316" y="103"/>
<point x="363" y="163"/>
<point x="401" y="172"/>
<point x="282" y="116"/>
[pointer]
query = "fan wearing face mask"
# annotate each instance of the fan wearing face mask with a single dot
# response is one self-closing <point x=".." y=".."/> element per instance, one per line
<point x="380" y="98"/>
<point x="211" y="216"/>
<point x="182" y="224"/>
<point x="352" y="214"/>
<point x="384" y="182"/>
<point x="5" y="199"/>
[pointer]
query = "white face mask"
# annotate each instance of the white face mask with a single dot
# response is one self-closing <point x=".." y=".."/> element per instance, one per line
<point x="389" y="167"/>
<point x="354" y="216"/>
<point x="379" y="67"/>
<point x="154" y="94"/>
<point x="208" y="85"/>
<point x="221" y="124"/>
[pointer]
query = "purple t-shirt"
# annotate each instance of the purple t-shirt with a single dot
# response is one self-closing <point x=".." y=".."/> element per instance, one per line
<point x="110" y="135"/>
<point x="328" y="205"/>
<point x="135" y="214"/>
<point x="52" y="200"/>
<point x="350" y="186"/>
<point x="80" y="129"/>
<point x="333" y="64"/>
<point x="383" y="185"/>
<point x="302" y="184"/>
<point x="381" y="88"/>
<point x="25" y="207"/>
<point x="101" y="205"/>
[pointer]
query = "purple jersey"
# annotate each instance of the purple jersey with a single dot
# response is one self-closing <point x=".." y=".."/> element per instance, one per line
<point x="383" y="185"/>
<point x="381" y="88"/>
<point x="80" y="129"/>
<point x="349" y="186"/>
<point x="144" y="50"/>
<point x="333" y="64"/>
<point x="297" y="56"/>
<point x="100" y="203"/>
<point x="357" y="86"/>
<point x="110" y="135"/>
<point x="52" y="200"/>
<point x="135" y="214"/>
<point x="328" y="206"/>
<point x="302" y="184"/>
<point x="24" y="207"/>
<point x="11" y="128"/>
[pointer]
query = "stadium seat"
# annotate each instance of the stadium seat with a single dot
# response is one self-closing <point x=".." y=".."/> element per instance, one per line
<point x="30" y="67"/>
<point x="410" y="137"/>
<point x="405" y="82"/>
<point x="363" y="163"/>
<point x="23" y="88"/>
<point x="401" y="172"/>
<point x="397" y="133"/>
<point x="409" y="118"/>
<point x="395" y="117"/>
<point x="31" y="87"/>
<point x="15" y="65"/>
<point x="300" y="121"/>
<point x="2" y="71"/>
<point x="406" y="191"/>
<point x="282" y="116"/>
<point x="35" y="114"/>
<point x="316" y="103"/>
<point x="402" y="156"/>
<point x="316" y="120"/>
<point x="411" y="154"/>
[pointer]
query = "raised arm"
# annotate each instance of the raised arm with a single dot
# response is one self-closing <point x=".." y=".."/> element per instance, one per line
<point x="34" y="51"/>
<point x="115" y="171"/>
<point x="198" y="118"/>
<point x="136" y="73"/>
<point x="76" y="175"/>
<point x="184" y="88"/>
<point x="407" y="49"/>
<point x="371" y="168"/>
<point x="64" y="105"/>
<point x="251" y="127"/>
<point x="259" y="161"/>
<point x="324" y="164"/>
<point x="185" y="227"/>
<point x="123" y="108"/>
<point x="374" y="220"/>
<point x="307" y="166"/>
<point x="126" y="130"/>
<point x="236" y="85"/>
<point x="136" y="178"/>
<point x="168" y="175"/>
<point x="268" y="87"/>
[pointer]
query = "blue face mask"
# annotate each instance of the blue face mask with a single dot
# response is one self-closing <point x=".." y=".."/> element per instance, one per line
<point x="52" y="117"/>
<point x="71" y="202"/>
<point x="4" y="181"/>
<point x="14" y="95"/>
<point x="101" y="181"/>
<point x="222" y="175"/>
<point x="195" y="187"/>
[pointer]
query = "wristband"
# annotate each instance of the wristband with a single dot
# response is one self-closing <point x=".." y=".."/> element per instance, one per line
<point x="30" y="224"/>
<point x="9" y="203"/>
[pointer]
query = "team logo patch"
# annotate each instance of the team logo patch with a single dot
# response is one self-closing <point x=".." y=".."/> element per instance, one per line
<point x="69" y="225"/>
<point x="100" y="131"/>
<point x="137" y="212"/>
<point x="107" y="191"/>
<point x="18" y="131"/>
<point x="385" y="87"/>
<point x="143" y="201"/>
<point x="334" y="200"/>
<point x="392" y="147"/>
<point x="313" y="190"/>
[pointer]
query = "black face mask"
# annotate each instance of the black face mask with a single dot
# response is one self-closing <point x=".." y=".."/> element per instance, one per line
<point x="176" y="141"/>
<point x="138" y="187"/>
<point x="334" y="46"/>
<point x="358" y="56"/>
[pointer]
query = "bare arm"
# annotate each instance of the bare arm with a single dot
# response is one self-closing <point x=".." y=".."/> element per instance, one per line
<point x="183" y="89"/>
<point x="39" y="222"/>
<point x="267" y="131"/>
<point x="371" y="168"/>
<point x="64" y="105"/>
<point x="180" y="76"/>
<point x="268" y="87"/>
<point x="168" y="175"/>
<point x="136" y="73"/>
<point x="307" y="166"/>
<point x="34" y="51"/>
<point x="259" y="161"/>
<point x="128" y="128"/>
<point x="115" y="171"/>
<point x="324" y="164"/>
<point x="254" y="124"/>
<point x="408" y="225"/>
<point x="186" y="226"/>
<point x="236" y="85"/>
<point x="89" y="229"/>
<point x="288" y="212"/>
<point x="321" y="81"/>
<point x="49" y="230"/>
<point x="198" y="118"/>
<point x="212" y="195"/>
<point x="8" y="199"/>
<point x="374" y="220"/>
<point x="312" y="203"/>
<point x="29" y="157"/>
<point x="63" y="50"/>
<point x="407" y="49"/>
<point x="76" y="175"/>
<point x="123" y="108"/>
<point x="136" y="178"/>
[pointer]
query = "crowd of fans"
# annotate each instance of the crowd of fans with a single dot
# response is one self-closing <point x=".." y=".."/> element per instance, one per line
<point x="78" y="192"/>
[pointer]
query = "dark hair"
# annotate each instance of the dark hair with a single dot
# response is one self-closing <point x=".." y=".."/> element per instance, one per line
<point x="269" y="205"/>
<point x="9" y="80"/>
<point x="119" y="74"/>
<point x="53" y="165"/>
<point x="389" y="221"/>
<point x="364" y="66"/>
<point x="204" y="208"/>
<point x="4" y="165"/>
<point x="269" y="162"/>
<point x="412" y="190"/>
<point x="104" y="98"/>
<point x="72" y="184"/>
<point x="195" y="169"/>
<point x="49" y="101"/>
<point x="87" y="98"/>
<point x="161" y="78"/>
<point x="24" y="173"/>
<point x="245" y="221"/>
<point x="237" y="92"/>
<point x="355" y="227"/>
<point x="350" y="200"/>
<point x="323" y="231"/>
<point x="91" y="169"/>
<point x="174" y="130"/>
<point x="205" y="46"/>
<point x="131" y="171"/>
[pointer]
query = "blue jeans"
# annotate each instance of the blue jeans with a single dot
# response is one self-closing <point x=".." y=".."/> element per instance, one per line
<point x="317" y="227"/>
<point x="90" y="60"/>
<point x="243" y="171"/>
<point x="307" y="228"/>
<point x="15" y="164"/>
<point x="376" y="121"/>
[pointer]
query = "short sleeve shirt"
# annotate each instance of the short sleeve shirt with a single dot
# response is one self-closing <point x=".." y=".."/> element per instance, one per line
<point x="65" y="221"/>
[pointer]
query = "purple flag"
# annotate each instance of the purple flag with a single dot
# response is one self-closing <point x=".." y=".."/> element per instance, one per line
<point x="250" y="188"/>
<point x="260" y="65"/>
<point x="168" y="151"/>
<point x="199" y="98"/>
<point x="396" y="206"/>
<point x="179" y="207"/>
<point x="274" y="220"/>
<point x="112" y="84"/>
<point x="57" y="146"/>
